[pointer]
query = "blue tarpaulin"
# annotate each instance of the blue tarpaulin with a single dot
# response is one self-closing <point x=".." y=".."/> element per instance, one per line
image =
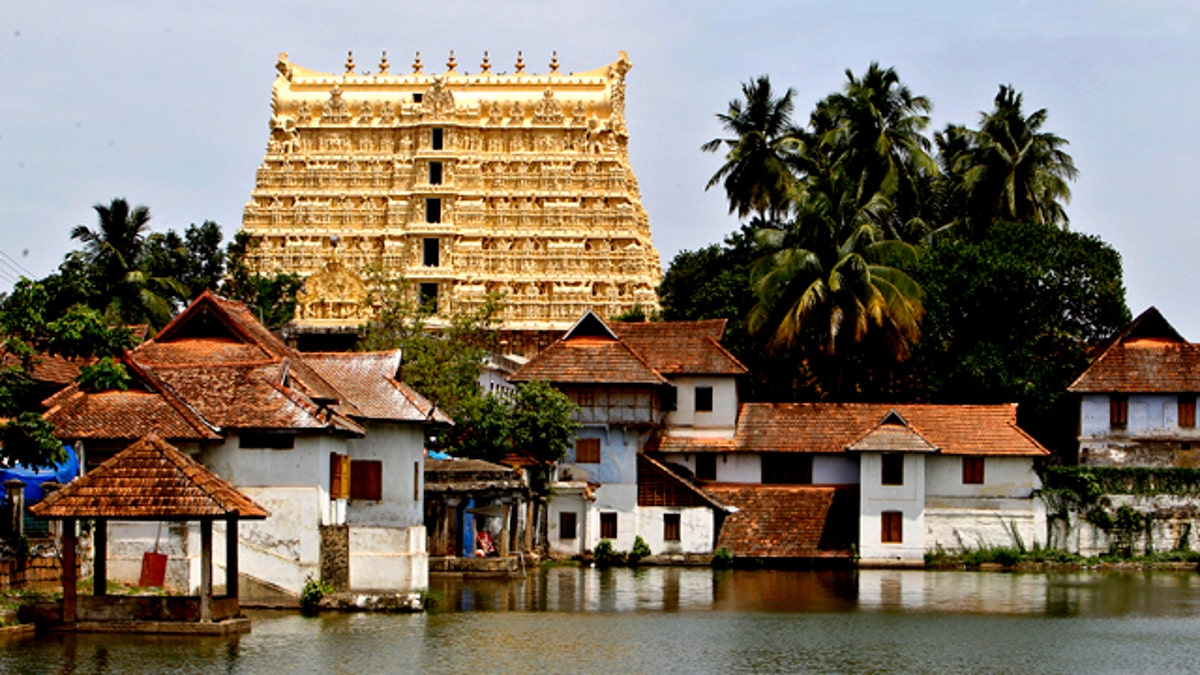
<point x="33" y="478"/>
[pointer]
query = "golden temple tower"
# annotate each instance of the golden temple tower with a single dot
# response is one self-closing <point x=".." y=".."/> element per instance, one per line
<point x="460" y="183"/>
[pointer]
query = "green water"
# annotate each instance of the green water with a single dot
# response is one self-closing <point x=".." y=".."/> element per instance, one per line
<point x="696" y="620"/>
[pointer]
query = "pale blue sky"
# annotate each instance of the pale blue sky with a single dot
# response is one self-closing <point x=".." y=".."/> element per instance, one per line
<point x="167" y="104"/>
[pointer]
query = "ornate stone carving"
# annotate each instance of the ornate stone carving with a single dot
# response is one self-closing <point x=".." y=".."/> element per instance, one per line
<point x="438" y="101"/>
<point x="548" y="110"/>
<point x="536" y="197"/>
<point x="335" y="109"/>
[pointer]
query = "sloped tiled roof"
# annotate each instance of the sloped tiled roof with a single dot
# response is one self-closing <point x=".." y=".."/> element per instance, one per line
<point x="248" y="395"/>
<point x="367" y="382"/>
<point x="658" y="485"/>
<point x="892" y="434"/>
<point x="777" y="521"/>
<point x="681" y="347"/>
<point x="126" y="415"/>
<point x="148" y="480"/>
<point x="471" y="475"/>
<point x="1148" y="356"/>
<point x="588" y="360"/>
<point x="48" y="368"/>
<point x="833" y="427"/>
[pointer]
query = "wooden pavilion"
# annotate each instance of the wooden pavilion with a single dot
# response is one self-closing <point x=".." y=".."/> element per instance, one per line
<point x="150" y="480"/>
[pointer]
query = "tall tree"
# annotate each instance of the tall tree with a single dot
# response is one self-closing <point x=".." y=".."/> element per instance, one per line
<point x="130" y="293"/>
<point x="873" y="132"/>
<point x="1013" y="170"/>
<point x="756" y="173"/>
<point x="828" y="281"/>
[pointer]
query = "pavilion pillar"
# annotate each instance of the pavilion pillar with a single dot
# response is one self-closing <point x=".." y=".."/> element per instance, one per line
<point x="69" y="570"/>
<point x="206" y="540"/>
<point x="100" y="561"/>
<point x="504" y="527"/>
<point x="231" y="556"/>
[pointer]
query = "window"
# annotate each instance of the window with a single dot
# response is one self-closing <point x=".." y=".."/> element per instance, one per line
<point x="366" y="480"/>
<point x="893" y="469"/>
<point x="972" y="470"/>
<point x="417" y="98"/>
<point x="704" y="399"/>
<point x="339" y="476"/>
<point x="780" y="468"/>
<point x="670" y="527"/>
<point x="431" y="251"/>
<point x="266" y="440"/>
<point x="891" y="526"/>
<point x="1187" y="410"/>
<point x="435" y="173"/>
<point x="435" y="138"/>
<point x="706" y="467"/>
<point x="428" y="297"/>
<point x="1118" y="411"/>
<point x="608" y="525"/>
<point x="587" y="451"/>
<point x="433" y="210"/>
<point x="568" y="524"/>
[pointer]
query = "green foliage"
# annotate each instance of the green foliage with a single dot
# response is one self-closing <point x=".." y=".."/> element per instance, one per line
<point x="636" y="314"/>
<point x="82" y="331"/>
<point x="271" y="298"/>
<point x="28" y="439"/>
<point x="1089" y="483"/>
<point x="105" y="374"/>
<point x="543" y="426"/>
<point x="482" y="429"/>
<point x="722" y="559"/>
<point x="640" y="550"/>
<point x="606" y="555"/>
<point x="312" y="593"/>
<point x="1012" y="319"/>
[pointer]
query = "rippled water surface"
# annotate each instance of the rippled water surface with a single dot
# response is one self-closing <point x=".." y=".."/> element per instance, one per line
<point x="696" y="620"/>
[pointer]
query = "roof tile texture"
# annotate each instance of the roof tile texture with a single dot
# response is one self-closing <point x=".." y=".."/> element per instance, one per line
<point x="832" y="427"/>
<point x="150" y="479"/>
<point x="787" y="521"/>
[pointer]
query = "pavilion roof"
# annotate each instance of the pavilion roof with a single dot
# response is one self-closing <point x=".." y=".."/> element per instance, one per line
<point x="149" y="480"/>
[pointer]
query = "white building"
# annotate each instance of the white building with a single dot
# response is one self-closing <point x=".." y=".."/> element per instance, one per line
<point x="1138" y="399"/>
<point x="330" y="444"/>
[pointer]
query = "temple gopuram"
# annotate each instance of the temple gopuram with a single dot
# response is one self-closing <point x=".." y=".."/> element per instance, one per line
<point x="461" y="184"/>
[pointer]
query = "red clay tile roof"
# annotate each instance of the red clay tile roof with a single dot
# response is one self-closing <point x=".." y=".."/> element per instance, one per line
<point x="681" y="347"/>
<point x="1148" y="356"/>
<point x="148" y="480"/>
<point x="47" y="367"/>
<point x="367" y="383"/>
<point x="127" y="415"/>
<point x="658" y="485"/>
<point x="775" y="521"/>
<point x="588" y="360"/>
<point x="892" y="434"/>
<point x="832" y="427"/>
<point x="248" y="396"/>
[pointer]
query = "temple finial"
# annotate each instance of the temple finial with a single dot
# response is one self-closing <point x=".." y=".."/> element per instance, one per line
<point x="554" y="63"/>
<point x="520" y="65"/>
<point x="349" y="62"/>
<point x="417" y="63"/>
<point x="452" y="63"/>
<point x="383" y="63"/>
<point x="486" y="65"/>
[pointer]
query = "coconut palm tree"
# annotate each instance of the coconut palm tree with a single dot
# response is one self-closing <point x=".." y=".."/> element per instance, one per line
<point x="873" y="130"/>
<point x="1015" y="171"/>
<point x="115" y="252"/>
<point x="757" y="175"/>
<point x="829" y="280"/>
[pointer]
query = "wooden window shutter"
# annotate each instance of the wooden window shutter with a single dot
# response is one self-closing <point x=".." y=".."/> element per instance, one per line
<point x="366" y="480"/>
<point x="339" y="476"/>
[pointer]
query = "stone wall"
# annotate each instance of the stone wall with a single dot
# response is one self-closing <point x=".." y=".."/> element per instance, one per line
<point x="1160" y="523"/>
<point x="41" y="567"/>
<point x="335" y="556"/>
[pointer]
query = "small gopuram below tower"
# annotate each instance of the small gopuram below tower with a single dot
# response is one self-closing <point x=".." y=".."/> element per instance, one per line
<point x="462" y="184"/>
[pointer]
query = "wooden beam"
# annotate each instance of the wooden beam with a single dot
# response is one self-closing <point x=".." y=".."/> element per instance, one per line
<point x="231" y="556"/>
<point x="68" y="572"/>
<point x="206" y="562"/>
<point x="100" y="564"/>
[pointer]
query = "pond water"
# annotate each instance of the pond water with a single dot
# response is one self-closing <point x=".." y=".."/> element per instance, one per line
<point x="696" y="620"/>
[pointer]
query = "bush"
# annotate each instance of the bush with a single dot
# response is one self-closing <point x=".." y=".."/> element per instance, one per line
<point x="605" y="554"/>
<point x="640" y="550"/>
<point x="722" y="559"/>
<point x="310" y="597"/>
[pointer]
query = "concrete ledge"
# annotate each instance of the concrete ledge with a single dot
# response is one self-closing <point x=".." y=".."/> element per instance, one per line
<point x="226" y="627"/>
<point x="891" y="563"/>
<point x="508" y="566"/>
<point x="19" y="630"/>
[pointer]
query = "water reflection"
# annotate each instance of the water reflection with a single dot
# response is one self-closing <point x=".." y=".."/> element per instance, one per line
<point x="823" y="591"/>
